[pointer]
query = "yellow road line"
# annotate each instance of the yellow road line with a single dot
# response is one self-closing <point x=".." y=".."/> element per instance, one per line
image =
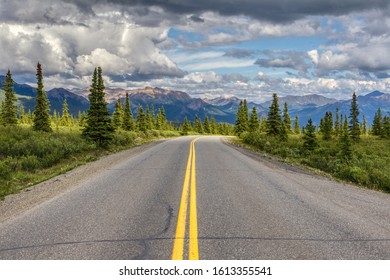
<point x="178" y="246"/>
<point x="193" y="253"/>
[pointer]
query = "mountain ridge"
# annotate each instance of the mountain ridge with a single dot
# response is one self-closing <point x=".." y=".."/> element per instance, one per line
<point x="179" y="104"/>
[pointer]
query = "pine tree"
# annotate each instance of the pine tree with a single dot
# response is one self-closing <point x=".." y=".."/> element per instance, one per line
<point x="151" y="117"/>
<point x="364" y="125"/>
<point x="213" y="126"/>
<point x="198" y="125"/>
<point x="274" y="121"/>
<point x="297" y="130"/>
<point x="345" y="150"/>
<point x="65" y="118"/>
<point x="117" y="117"/>
<point x="245" y="118"/>
<point x="354" y="127"/>
<point x="337" y="124"/>
<point x="263" y="124"/>
<point x="206" y="125"/>
<point x="377" y="123"/>
<point x="327" y="126"/>
<point x="385" y="133"/>
<point x="9" y="109"/>
<point x="186" y="126"/>
<point x="309" y="137"/>
<point x="287" y="119"/>
<point x="238" y="124"/>
<point x="254" y="122"/>
<point x="141" y="119"/>
<point x="128" y="121"/>
<point x="41" y="120"/>
<point x="98" y="127"/>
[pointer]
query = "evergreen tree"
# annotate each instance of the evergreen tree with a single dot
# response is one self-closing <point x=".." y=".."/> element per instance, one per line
<point x="296" y="126"/>
<point x="385" y="133"/>
<point x="354" y="127"/>
<point x="141" y="119"/>
<point x="274" y="121"/>
<point x="98" y="127"/>
<point x="377" y="123"/>
<point x="128" y="121"/>
<point x="206" y="125"/>
<point x="254" y="122"/>
<point x="337" y="124"/>
<point x="22" y="115"/>
<point x="117" y="117"/>
<point x="364" y="126"/>
<point x="241" y="123"/>
<point x="263" y="124"/>
<point x="327" y="126"/>
<point x="309" y="137"/>
<point x="198" y="125"/>
<point x="345" y="150"/>
<point x="213" y="126"/>
<point x="9" y="109"/>
<point x="41" y="120"/>
<point x="65" y="118"/>
<point x="238" y="124"/>
<point x="287" y="119"/>
<point x="151" y="117"/>
<point x="245" y="118"/>
<point x="186" y="126"/>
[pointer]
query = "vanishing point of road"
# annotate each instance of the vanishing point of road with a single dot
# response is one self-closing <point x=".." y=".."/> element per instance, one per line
<point x="199" y="198"/>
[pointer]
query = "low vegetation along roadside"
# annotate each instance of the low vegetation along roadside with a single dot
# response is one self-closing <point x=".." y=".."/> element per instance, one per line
<point x="344" y="147"/>
<point x="29" y="157"/>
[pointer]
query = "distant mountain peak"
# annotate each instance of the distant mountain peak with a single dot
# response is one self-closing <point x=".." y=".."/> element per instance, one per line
<point x="375" y="93"/>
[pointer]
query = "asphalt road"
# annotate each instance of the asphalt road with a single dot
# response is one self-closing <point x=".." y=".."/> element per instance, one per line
<point x="245" y="208"/>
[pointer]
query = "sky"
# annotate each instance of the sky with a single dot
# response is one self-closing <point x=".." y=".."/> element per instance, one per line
<point x="247" y="48"/>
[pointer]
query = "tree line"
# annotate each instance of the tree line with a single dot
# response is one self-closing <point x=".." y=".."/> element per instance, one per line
<point x="346" y="129"/>
<point x="97" y="124"/>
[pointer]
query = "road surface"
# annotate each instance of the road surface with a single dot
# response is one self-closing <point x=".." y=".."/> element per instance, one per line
<point x="232" y="206"/>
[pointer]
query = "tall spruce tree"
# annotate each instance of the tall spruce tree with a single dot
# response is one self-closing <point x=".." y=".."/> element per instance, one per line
<point x="98" y="127"/>
<point x="238" y="127"/>
<point x="327" y="126"/>
<point x="254" y="122"/>
<point x="141" y="119"/>
<point x="287" y="119"/>
<point x="65" y="118"/>
<point x="364" y="125"/>
<point x="128" y="121"/>
<point x="274" y="120"/>
<point x="297" y="129"/>
<point x="9" y="109"/>
<point x="309" y="137"/>
<point x="186" y="126"/>
<point x="213" y="126"/>
<point x="198" y="125"/>
<point x="117" y="116"/>
<point x="354" y="127"/>
<point x="337" y="124"/>
<point x="345" y="143"/>
<point x="41" y="119"/>
<point x="206" y="125"/>
<point x="377" y="123"/>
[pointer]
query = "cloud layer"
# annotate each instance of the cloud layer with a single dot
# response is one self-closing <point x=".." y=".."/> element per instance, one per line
<point x="202" y="46"/>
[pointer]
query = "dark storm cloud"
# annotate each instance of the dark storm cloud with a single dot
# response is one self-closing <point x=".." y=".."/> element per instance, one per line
<point x="272" y="10"/>
<point x="285" y="59"/>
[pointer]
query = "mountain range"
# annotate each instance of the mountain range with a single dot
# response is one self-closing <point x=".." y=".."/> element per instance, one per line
<point x="178" y="104"/>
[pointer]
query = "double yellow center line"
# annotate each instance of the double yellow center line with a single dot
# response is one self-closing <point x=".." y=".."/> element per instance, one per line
<point x="189" y="189"/>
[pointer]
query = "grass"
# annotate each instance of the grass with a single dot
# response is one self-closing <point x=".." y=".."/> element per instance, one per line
<point x="28" y="157"/>
<point x="368" y="167"/>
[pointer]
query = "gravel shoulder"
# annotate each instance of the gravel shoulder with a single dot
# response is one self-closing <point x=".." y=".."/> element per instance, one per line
<point x="17" y="203"/>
